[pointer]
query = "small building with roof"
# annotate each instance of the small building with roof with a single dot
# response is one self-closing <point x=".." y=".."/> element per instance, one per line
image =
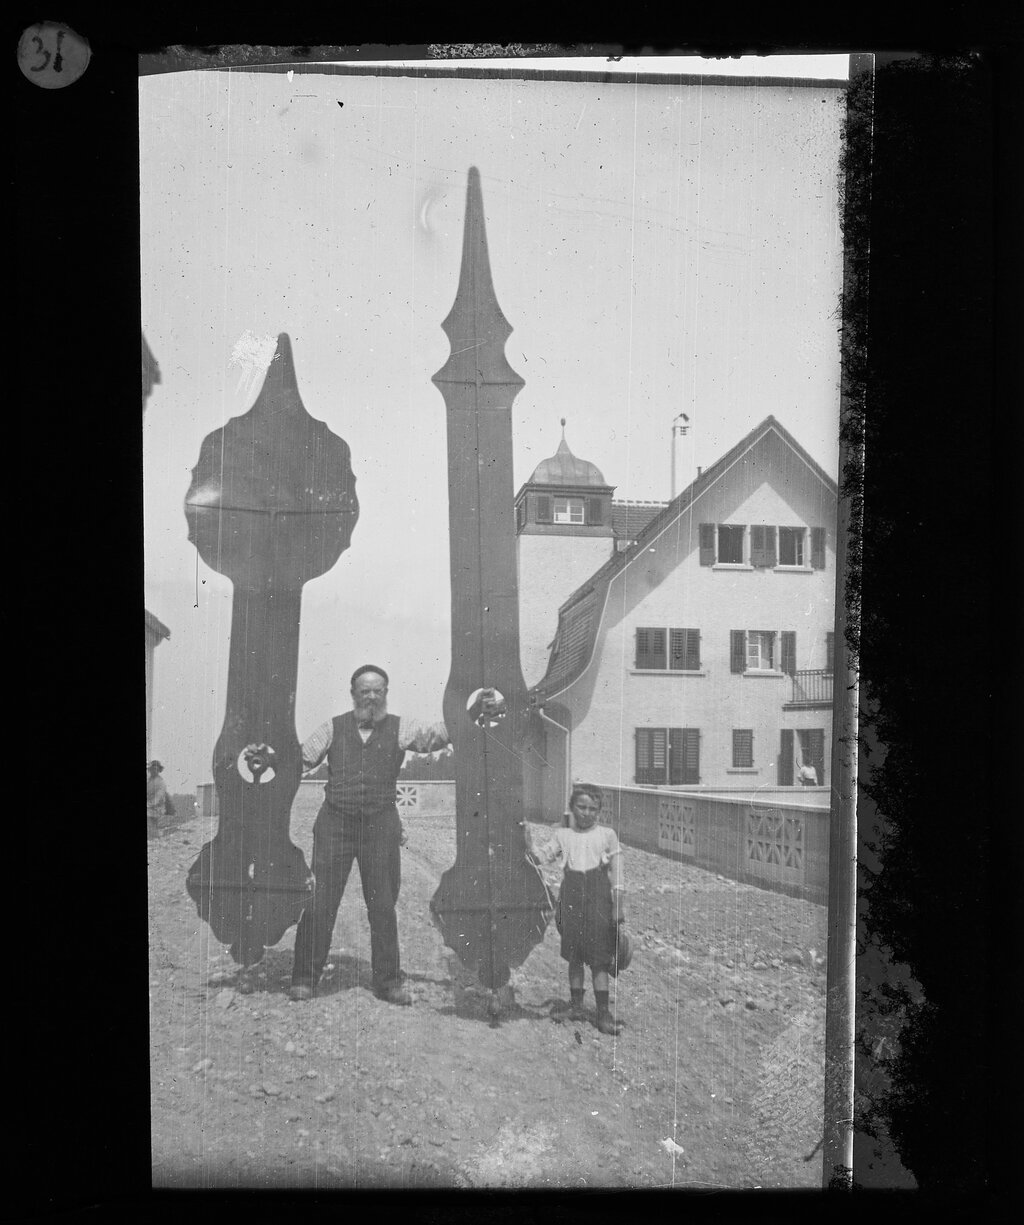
<point x="699" y="654"/>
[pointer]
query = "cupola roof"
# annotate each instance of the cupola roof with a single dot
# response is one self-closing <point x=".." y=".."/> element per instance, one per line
<point x="564" y="468"/>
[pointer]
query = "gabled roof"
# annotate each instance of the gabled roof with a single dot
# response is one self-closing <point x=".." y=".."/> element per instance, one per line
<point x="630" y="518"/>
<point x="579" y="617"/>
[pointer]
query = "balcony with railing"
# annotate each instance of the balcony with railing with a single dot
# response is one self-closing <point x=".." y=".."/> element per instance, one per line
<point x="812" y="687"/>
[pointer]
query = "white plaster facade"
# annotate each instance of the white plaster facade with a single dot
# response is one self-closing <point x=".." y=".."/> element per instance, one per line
<point x="660" y="583"/>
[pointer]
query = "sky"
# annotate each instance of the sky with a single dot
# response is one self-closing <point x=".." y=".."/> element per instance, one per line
<point x="657" y="249"/>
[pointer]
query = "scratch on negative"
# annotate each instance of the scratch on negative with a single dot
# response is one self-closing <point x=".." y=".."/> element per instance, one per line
<point x="467" y="348"/>
<point x="580" y="120"/>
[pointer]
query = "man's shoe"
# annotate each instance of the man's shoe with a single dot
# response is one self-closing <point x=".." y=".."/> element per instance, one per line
<point x="393" y="995"/>
<point x="568" y="1012"/>
<point x="607" y="1024"/>
<point x="300" y="991"/>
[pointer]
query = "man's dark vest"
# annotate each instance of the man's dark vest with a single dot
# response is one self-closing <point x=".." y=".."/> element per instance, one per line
<point x="361" y="777"/>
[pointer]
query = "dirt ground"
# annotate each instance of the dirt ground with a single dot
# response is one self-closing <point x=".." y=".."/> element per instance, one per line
<point x="715" y="1081"/>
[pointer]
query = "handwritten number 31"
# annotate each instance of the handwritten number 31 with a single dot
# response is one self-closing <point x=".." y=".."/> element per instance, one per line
<point x="58" y="62"/>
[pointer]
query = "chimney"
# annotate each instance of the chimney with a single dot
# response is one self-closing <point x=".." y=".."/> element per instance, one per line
<point x="682" y="453"/>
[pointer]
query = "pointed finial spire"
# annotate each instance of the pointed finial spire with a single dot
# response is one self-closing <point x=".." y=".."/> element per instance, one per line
<point x="475" y="325"/>
<point x="281" y="372"/>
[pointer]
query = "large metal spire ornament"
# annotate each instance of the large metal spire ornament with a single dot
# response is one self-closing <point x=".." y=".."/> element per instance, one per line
<point x="491" y="906"/>
<point x="272" y="505"/>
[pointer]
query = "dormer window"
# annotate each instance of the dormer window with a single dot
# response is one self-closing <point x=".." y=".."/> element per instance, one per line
<point x="568" y="510"/>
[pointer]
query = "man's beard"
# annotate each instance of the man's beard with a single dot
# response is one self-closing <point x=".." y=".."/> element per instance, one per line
<point x="371" y="711"/>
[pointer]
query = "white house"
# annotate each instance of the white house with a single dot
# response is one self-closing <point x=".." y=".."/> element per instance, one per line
<point x="700" y="655"/>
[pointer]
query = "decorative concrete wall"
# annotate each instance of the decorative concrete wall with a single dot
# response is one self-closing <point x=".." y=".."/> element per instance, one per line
<point x="771" y="843"/>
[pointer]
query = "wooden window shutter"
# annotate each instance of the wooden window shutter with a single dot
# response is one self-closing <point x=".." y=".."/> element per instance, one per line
<point x="707" y="544"/>
<point x="816" y="752"/>
<point x="659" y="755"/>
<point x="684" y="649"/>
<point x="742" y="748"/>
<point x="786" y="758"/>
<point x="650" y="648"/>
<point x="758" y="549"/>
<point x="543" y="508"/>
<point x="818" y="548"/>
<point x="594" y="509"/>
<point x="772" y="557"/>
<point x="830" y="651"/>
<point x="737" y="650"/>
<point x="677" y="649"/>
<point x="650" y="755"/>
<point x="691" y="755"/>
<point x="521" y="514"/>
<point x="788" y="662"/>
<point x="676" y="756"/>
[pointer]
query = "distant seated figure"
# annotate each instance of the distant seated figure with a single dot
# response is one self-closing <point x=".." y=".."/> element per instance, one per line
<point x="808" y="776"/>
<point x="156" y="798"/>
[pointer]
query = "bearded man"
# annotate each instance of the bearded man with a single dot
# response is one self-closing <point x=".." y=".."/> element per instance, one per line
<point x="364" y="749"/>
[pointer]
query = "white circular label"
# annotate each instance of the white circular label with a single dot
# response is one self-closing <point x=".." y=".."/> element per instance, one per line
<point x="52" y="55"/>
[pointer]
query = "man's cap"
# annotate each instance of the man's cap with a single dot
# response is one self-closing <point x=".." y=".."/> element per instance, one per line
<point x="368" y="668"/>
<point x="159" y="764"/>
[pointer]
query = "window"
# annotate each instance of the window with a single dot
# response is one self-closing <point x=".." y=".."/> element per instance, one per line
<point x="760" y="650"/>
<point x="730" y="544"/>
<point x="801" y="752"/>
<point x="684" y="650"/>
<point x="742" y="748"/>
<point x="757" y="651"/>
<point x="762" y="546"/>
<point x="722" y="543"/>
<point x="791" y="546"/>
<point x="667" y="755"/>
<point x="683" y="653"/>
<point x="769" y="546"/>
<point x="811" y="743"/>
<point x="830" y="651"/>
<point x="568" y="510"/>
<point x="543" y="508"/>
<point x="521" y="515"/>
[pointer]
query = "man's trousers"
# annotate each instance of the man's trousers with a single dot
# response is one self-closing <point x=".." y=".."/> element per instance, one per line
<point x="374" y="842"/>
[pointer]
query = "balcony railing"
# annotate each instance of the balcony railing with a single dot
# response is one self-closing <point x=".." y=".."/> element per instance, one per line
<point x="811" y="687"/>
